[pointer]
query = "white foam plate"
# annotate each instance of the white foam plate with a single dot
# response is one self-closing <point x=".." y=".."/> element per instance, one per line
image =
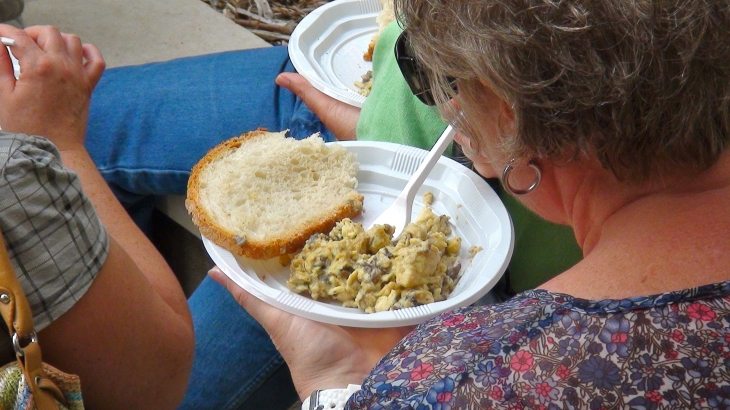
<point x="327" y="47"/>
<point x="477" y="214"/>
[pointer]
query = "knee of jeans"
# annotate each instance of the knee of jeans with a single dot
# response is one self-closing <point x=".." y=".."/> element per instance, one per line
<point x="305" y="123"/>
<point x="300" y="131"/>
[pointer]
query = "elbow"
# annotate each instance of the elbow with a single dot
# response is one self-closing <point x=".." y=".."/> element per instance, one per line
<point x="147" y="372"/>
<point x="179" y="356"/>
<point x="162" y="377"/>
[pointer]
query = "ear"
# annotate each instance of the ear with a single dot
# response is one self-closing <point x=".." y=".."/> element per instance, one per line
<point x="507" y="117"/>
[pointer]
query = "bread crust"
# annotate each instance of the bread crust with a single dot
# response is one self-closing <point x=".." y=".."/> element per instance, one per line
<point x="254" y="249"/>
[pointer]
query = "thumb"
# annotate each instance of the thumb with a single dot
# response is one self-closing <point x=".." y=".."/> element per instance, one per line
<point x="341" y="118"/>
<point x="264" y="313"/>
<point x="312" y="97"/>
<point x="241" y="296"/>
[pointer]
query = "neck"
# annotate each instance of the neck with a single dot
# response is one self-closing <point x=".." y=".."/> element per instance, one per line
<point x="640" y="241"/>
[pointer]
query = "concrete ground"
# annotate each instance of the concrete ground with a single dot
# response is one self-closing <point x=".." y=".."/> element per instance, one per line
<point x="133" y="32"/>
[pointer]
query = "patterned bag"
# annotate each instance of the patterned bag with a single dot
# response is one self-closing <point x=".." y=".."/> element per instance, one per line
<point x="28" y="383"/>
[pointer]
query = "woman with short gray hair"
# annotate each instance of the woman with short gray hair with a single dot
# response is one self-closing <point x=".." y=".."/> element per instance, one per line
<point x="639" y="85"/>
<point x="608" y="116"/>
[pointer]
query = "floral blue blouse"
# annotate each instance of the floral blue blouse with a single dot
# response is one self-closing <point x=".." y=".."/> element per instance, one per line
<point x="543" y="350"/>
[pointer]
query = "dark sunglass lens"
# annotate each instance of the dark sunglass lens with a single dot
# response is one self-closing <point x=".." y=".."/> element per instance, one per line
<point x="426" y="97"/>
<point x="412" y="72"/>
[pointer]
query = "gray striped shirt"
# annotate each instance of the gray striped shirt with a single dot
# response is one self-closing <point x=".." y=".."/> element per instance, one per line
<point x="56" y="241"/>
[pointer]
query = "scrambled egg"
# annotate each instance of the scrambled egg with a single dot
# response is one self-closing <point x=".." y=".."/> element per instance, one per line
<point x="365" y="269"/>
<point x="366" y="84"/>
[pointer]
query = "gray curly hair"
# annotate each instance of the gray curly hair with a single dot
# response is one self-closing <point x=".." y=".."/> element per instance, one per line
<point x="643" y="85"/>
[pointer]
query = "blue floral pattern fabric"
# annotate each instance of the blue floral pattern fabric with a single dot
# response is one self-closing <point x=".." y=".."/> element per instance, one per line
<point x="543" y="350"/>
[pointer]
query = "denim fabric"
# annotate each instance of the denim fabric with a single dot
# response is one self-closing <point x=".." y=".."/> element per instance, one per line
<point x="233" y="353"/>
<point x="148" y="126"/>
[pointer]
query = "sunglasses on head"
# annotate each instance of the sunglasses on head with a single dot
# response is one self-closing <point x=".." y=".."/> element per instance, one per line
<point x="414" y="73"/>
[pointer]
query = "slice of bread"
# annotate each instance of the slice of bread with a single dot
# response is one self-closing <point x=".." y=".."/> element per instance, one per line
<point x="262" y="194"/>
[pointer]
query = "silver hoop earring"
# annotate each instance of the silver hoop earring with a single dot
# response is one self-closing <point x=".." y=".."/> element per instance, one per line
<point x="508" y="170"/>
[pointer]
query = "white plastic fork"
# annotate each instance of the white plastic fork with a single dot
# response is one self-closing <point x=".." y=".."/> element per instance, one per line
<point x="9" y="42"/>
<point x="398" y="214"/>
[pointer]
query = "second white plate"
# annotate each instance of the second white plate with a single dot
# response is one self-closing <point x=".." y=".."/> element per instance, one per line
<point x="328" y="45"/>
<point x="477" y="214"/>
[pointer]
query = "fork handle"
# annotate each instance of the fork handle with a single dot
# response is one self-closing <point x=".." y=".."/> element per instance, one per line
<point x="409" y="193"/>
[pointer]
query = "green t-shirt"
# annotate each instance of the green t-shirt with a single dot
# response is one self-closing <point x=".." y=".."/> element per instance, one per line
<point x="392" y="113"/>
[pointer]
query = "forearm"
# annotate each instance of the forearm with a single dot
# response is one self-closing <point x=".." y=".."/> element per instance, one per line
<point x="123" y="229"/>
<point x="122" y="337"/>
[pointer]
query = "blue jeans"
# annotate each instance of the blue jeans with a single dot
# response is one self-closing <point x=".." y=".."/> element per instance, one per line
<point x="233" y="353"/>
<point x="148" y="126"/>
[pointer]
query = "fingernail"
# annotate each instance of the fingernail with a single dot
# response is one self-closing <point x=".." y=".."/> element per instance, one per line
<point x="215" y="273"/>
<point x="282" y="80"/>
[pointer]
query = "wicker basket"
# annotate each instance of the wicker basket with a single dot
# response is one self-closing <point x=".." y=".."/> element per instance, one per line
<point x="273" y="21"/>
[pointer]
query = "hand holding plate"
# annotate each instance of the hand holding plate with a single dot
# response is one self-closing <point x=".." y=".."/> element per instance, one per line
<point x="339" y="117"/>
<point x="319" y="355"/>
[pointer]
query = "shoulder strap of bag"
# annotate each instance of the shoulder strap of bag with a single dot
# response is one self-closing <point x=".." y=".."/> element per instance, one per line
<point x="16" y="312"/>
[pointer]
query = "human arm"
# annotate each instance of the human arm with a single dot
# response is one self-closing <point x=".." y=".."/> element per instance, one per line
<point x="319" y="355"/>
<point x="130" y="336"/>
<point x="339" y="117"/>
